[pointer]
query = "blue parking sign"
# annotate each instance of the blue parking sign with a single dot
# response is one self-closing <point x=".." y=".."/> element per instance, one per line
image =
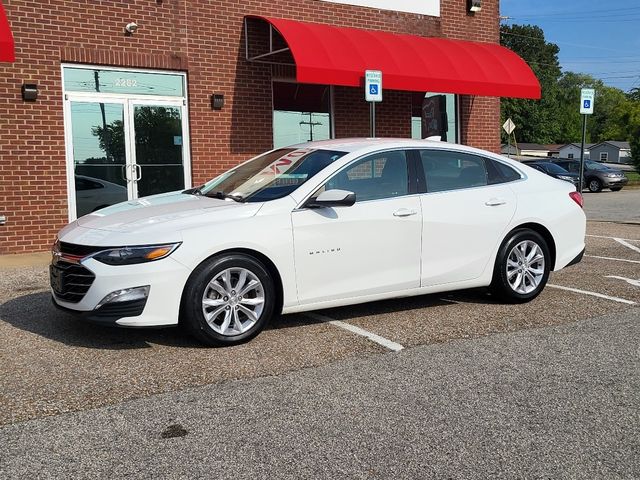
<point x="587" y="104"/>
<point x="373" y="89"/>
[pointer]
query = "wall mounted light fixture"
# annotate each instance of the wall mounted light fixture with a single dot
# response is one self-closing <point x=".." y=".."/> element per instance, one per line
<point x="29" y="92"/>
<point x="217" y="101"/>
<point x="474" y="5"/>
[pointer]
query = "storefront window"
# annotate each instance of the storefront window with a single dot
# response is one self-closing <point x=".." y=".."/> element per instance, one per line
<point x="435" y="114"/>
<point x="301" y="113"/>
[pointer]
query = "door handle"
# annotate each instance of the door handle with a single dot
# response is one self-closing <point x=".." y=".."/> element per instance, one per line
<point x="138" y="172"/>
<point x="124" y="174"/>
<point x="404" y="212"/>
<point x="494" y="202"/>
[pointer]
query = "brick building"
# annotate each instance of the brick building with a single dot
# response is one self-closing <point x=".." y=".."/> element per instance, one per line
<point x="137" y="97"/>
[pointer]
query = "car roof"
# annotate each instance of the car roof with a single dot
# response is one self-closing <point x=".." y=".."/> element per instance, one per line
<point x="365" y="145"/>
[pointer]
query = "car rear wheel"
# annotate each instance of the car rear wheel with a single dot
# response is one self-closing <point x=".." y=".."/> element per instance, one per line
<point x="228" y="300"/>
<point x="594" y="185"/>
<point x="522" y="267"/>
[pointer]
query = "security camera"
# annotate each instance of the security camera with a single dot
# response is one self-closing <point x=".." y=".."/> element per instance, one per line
<point x="130" y="28"/>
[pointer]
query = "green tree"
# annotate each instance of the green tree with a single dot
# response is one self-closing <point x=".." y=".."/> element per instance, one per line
<point x="536" y="120"/>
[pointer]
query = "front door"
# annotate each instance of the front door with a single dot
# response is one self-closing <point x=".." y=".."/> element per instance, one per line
<point x="122" y="146"/>
<point x="369" y="248"/>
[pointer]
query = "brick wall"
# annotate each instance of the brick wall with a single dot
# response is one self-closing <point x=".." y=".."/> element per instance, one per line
<point x="203" y="38"/>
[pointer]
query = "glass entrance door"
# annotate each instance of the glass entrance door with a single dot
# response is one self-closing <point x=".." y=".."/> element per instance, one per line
<point x="158" y="155"/>
<point x="99" y="157"/>
<point x="126" y="135"/>
<point x="124" y="149"/>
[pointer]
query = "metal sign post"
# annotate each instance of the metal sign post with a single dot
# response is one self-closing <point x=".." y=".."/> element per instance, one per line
<point x="587" y="96"/>
<point x="372" y="94"/>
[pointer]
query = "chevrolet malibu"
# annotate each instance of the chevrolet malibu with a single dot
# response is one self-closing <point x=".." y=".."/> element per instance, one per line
<point x="319" y="225"/>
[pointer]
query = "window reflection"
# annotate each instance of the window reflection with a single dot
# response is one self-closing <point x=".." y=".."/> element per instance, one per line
<point x="434" y="114"/>
<point x="300" y="113"/>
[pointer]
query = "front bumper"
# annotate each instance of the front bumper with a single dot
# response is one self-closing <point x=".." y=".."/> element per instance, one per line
<point x="109" y="314"/>
<point x="166" y="279"/>
<point x="609" y="182"/>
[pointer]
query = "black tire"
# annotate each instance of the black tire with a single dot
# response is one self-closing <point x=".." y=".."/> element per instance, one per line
<point x="500" y="285"/>
<point x="616" y="189"/>
<point x="594" y="185"/>
<point x="192" y="315"/>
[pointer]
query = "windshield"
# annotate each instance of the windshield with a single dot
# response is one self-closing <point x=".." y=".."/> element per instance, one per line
<point x="270" y="176"/>
<point x="557" y="169"/>
<point x="596" y="166"/>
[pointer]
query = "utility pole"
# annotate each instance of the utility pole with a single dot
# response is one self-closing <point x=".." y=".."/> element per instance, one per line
<point x="104" y="116"/>
<point x="311" y="124"/>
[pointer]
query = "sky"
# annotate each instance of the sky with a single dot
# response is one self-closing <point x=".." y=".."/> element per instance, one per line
<point x="601" y="38"/>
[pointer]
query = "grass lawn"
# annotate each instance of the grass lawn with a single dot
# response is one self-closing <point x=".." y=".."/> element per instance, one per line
<point x="633" y="177"/>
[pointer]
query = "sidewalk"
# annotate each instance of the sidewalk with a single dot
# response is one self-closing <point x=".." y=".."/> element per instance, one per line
<point x="25" y="260"/>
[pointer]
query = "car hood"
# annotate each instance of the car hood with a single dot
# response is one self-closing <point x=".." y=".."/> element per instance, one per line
<point x="163" y="215"/>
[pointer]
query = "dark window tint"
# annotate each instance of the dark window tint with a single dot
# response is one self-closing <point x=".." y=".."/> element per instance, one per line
<point x="381" y="175"/>
<point x="452" y="170"/>
<point x="506" y="173"/>
<point x="570" y="166"/>
<point x="553" y="168"/>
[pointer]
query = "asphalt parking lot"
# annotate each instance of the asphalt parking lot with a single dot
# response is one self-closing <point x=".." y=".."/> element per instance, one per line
<point x="51" y="364"/>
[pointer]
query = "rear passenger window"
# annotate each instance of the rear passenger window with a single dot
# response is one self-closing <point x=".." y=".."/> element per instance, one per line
<point x="446" y="170"/>
<point x="504" y="172"/>
<point x="381" y="175"/>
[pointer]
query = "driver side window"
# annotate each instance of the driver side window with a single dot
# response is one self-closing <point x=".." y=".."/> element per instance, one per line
<point x="377" y="176"/>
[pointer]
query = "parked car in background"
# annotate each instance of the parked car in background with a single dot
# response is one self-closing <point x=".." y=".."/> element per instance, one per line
<point x="596" y="175"/>
<point x="556" y="171"/>
<point x="319" y="225"/>
<point x="95" y="193"/>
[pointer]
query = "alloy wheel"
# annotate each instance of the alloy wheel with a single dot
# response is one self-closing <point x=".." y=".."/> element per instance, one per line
<point x="233" y="301"/>
<point x="525" y="267"/>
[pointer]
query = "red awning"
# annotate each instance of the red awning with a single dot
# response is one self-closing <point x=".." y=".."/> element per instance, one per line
<point x="339" y="56"/>
<point x="6" y="38"/>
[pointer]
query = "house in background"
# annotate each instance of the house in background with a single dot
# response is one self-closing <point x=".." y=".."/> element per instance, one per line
<point x="554" y="149"/>
<point x="526" y="150"/>
<point x="611" y="151"/>
<point x="572" y="150"/>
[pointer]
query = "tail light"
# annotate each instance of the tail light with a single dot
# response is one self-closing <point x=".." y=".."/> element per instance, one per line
<point x="577" y="197"/>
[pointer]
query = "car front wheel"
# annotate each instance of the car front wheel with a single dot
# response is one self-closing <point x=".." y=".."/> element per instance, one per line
<point x="228" y="300"/>
<point x="522" y="267"/>
<point x="595" y="185"/>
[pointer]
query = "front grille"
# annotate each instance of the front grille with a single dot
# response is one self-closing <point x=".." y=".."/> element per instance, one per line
<point x="69" y="281"/>
<point x="80" y="250"/>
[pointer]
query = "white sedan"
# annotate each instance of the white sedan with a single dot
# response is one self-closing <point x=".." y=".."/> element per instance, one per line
<point x="319" y="225"/>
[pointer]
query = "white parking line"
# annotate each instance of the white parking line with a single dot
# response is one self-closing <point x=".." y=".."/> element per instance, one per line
<point x="622" y="241"/>
<point x="385" y="342"/>
<point x="613" y="238"/>
<point x="593" y="294"/>
<point x="611" y="258"/>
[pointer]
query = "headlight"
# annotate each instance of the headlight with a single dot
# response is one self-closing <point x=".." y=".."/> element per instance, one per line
<point x="565" y="177"/>
<point x="133" y="255"/>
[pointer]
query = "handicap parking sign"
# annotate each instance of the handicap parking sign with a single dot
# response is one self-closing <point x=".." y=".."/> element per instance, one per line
<point x="587" y="96"/>
<point x="373" y="85"/>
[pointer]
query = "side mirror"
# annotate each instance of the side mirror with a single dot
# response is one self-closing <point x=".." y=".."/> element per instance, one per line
<point x="333" y="198"/>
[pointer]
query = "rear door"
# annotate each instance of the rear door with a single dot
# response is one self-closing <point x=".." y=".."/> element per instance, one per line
<point x="466" y="208"/>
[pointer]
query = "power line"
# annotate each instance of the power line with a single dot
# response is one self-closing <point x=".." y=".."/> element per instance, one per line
<point x="584" y="12"/>
<point x="563" y="43"/>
